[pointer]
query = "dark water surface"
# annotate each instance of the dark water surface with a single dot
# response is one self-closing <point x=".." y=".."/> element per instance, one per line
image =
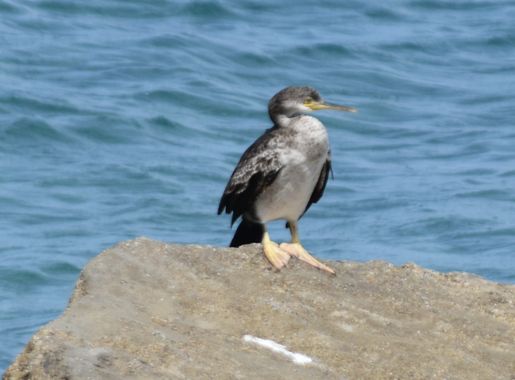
<point x="125" y="118"/>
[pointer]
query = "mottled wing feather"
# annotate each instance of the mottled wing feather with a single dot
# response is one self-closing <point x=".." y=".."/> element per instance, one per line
<point x="257" y="169"/>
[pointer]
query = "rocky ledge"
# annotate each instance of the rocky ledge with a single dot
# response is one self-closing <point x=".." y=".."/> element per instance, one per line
<point x="148" y="310"/>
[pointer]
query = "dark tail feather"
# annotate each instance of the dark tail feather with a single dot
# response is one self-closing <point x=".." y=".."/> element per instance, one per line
<point x="247" y="232"/>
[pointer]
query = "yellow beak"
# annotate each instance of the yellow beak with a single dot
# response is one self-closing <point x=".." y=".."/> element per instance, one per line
<point x="316" y="106"/>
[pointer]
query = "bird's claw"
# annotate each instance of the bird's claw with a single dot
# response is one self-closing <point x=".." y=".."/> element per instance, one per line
<point x="297" y="250"/>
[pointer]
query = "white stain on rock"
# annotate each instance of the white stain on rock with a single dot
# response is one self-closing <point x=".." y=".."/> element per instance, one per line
<point x="296" y="357"/>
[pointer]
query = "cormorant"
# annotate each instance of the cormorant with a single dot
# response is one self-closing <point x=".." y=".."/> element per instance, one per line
<point x="281" y="175"/>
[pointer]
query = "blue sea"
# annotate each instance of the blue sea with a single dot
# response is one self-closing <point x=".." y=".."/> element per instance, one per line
<point x="125" y="118"/>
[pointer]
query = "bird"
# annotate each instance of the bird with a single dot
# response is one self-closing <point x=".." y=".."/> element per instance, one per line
<point x="281" y="175"/>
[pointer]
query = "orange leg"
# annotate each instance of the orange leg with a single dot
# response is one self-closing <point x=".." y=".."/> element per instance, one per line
<point x="296" y="249"/>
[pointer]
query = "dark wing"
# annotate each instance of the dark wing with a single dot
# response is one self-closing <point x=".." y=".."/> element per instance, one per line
<point x="318" y="191"/>
<point x="257" y="169"/>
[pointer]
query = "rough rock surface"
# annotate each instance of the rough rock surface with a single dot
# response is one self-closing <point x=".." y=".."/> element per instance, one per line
<point x="148" y="310"/>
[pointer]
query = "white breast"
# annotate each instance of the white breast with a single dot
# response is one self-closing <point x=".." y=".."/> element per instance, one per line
<point x="302" y="161"/>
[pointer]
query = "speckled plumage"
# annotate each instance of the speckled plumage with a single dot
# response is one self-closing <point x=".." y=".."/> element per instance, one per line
<point x="257" y="169"/>
<point x="285" y="170"/>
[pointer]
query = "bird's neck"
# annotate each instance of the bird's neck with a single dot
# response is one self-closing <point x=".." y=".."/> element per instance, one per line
<point x="284" y="121"/>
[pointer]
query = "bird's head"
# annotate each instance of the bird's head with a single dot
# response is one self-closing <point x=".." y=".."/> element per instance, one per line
<point x="293" y="101"/>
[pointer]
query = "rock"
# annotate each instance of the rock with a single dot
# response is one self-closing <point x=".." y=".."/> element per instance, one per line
<point x="149" y="310"/>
